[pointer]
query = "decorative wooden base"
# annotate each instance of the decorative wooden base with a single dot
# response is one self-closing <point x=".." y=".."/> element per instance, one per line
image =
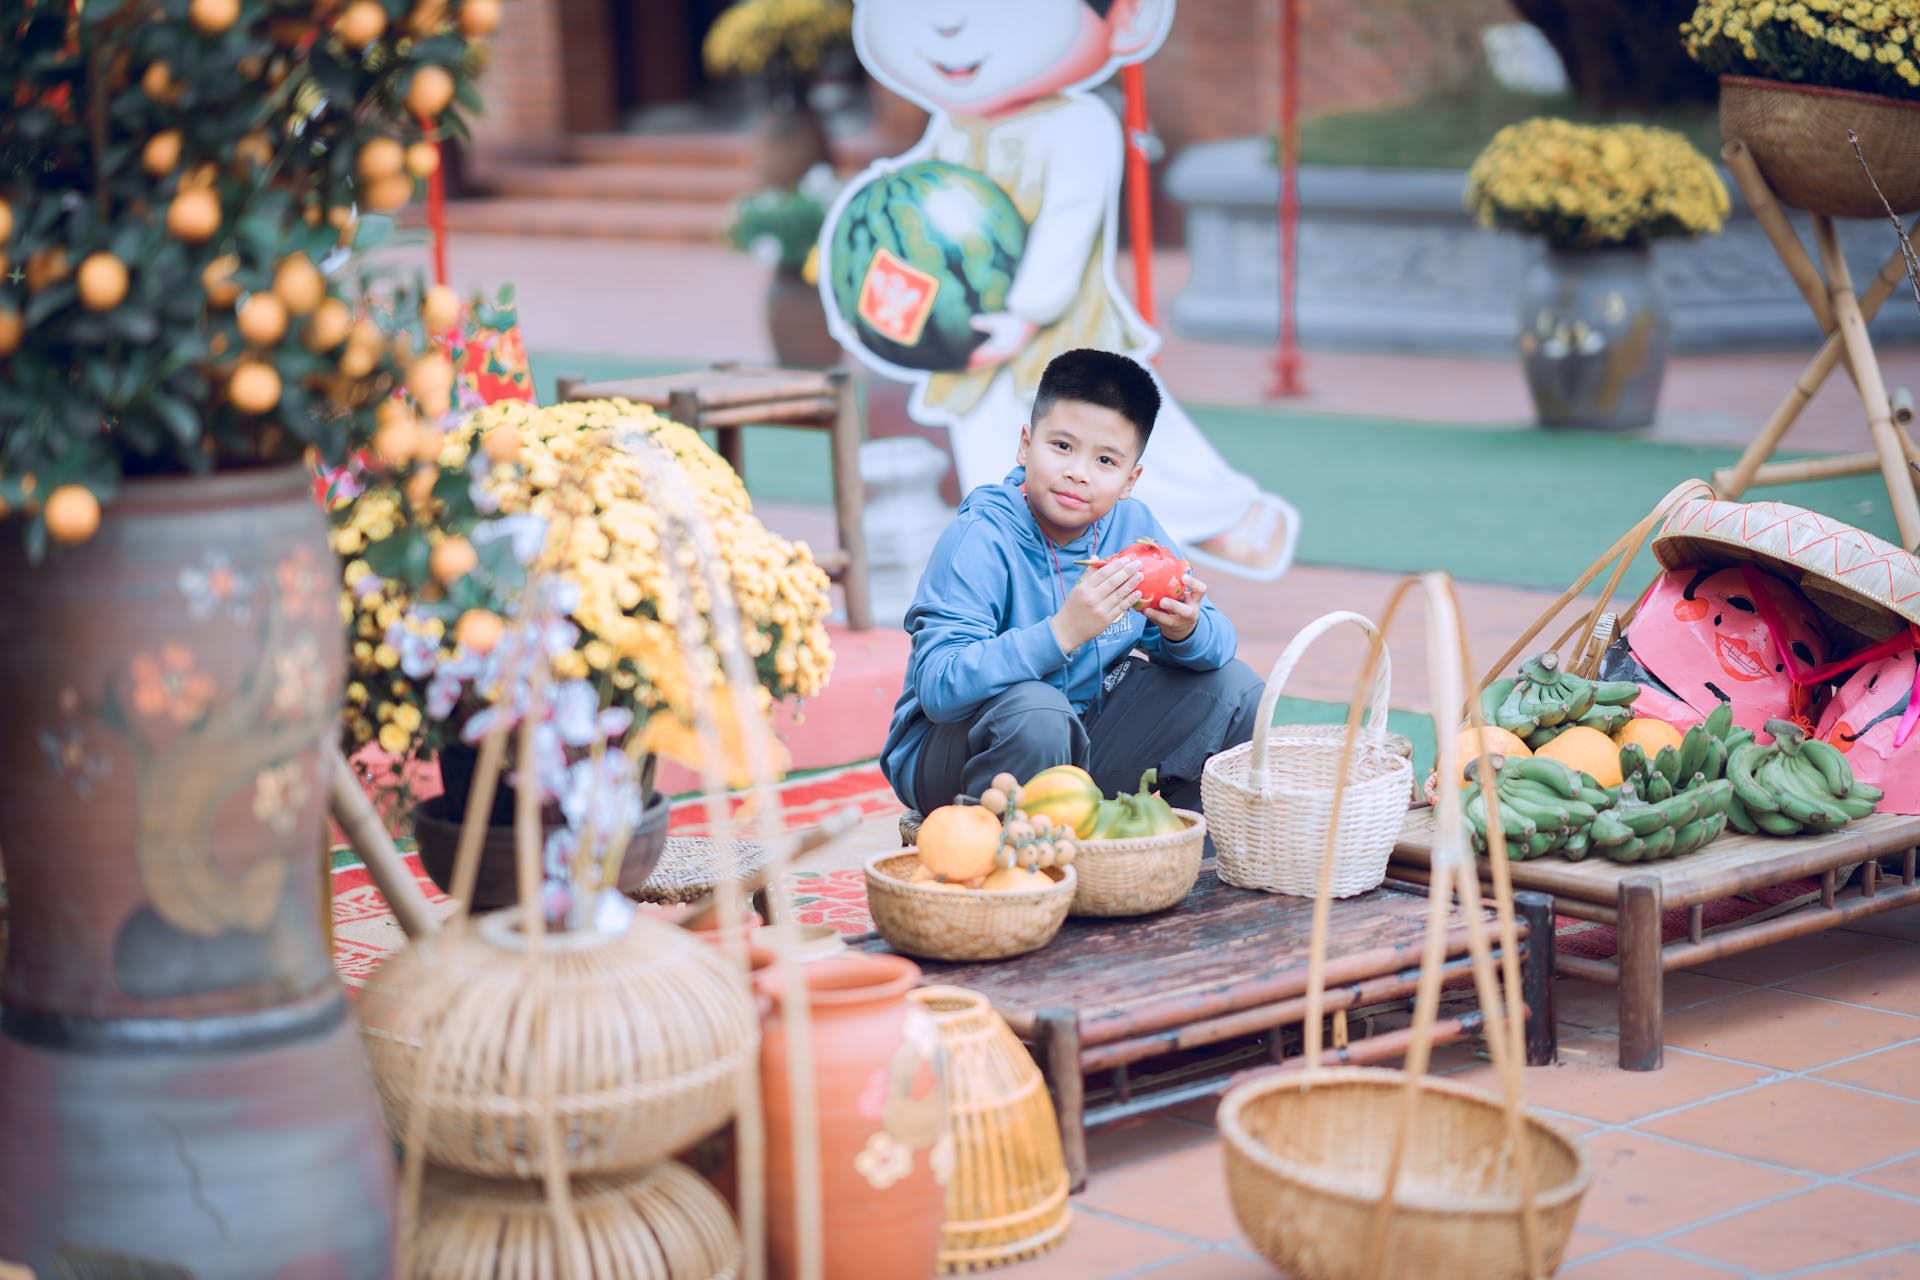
<point x="1844" y="316"/>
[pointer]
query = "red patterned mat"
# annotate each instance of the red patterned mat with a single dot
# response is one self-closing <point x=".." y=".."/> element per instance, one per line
<point x="365" y="932"/>
<point x="1601" y="941"/>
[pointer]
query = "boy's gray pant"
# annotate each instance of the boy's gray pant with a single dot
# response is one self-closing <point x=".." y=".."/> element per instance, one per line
<point x="1151" y="716"/>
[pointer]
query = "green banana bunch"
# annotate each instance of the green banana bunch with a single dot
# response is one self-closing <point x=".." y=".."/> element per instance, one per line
<point x="1794" y="785"/>
<point x="1541" y="806"/>
<point x="1543" y="701"/>
<point x="1645" y="830"/>
<point x="1701" y="758"/>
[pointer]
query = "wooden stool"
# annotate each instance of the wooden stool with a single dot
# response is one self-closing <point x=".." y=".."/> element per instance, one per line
<point x="1844" y="316"/>
<point x="728" y="397"/>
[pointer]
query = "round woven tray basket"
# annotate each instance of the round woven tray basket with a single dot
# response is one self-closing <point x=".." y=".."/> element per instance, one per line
<point x="1135" y="876"/>
<point x="663" y="1224"/>
<point x="1306" y="1162"/>
<point x="963" y="924"/>
<point x="1270" y="801"/>
<point x="1007" y="1197"/>
<point x="643" y="1036"/>
<point x="1798" y="137"/>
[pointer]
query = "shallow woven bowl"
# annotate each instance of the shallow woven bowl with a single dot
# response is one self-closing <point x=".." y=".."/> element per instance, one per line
<point x="963" y="924"/>
<point x="644" y="1036"/>
<point x="661" y="1224"/>
<point x="1306" y="1161"/>
<point x="1135" y="876"/>
<point x="1798" y="136"/>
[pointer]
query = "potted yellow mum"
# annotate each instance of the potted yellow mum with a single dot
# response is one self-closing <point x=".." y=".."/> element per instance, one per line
<point x="1795" y="77"/>
<point x="437" y="560"/>
<point x="1593" y="325"/>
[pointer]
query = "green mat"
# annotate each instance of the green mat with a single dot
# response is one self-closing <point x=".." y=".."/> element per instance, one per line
<point x="1521" y="507"/>
<point x="1416" y="727"/>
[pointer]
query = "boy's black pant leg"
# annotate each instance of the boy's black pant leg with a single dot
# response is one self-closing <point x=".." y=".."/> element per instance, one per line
<point x="1171" y="719"/>
<point x="1028" y="728"/>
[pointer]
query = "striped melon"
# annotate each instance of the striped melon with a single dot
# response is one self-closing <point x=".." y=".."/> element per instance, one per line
<point x="916" y="254"/>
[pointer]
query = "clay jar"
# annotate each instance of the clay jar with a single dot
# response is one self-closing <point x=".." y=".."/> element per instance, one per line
<point x="879" y="1076"/>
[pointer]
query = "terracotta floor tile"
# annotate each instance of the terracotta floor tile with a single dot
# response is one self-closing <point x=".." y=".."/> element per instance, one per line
<point x="1784" y="1029"/>
<point x="1827" y="1224"/>
<point x="1110" y="1146"/>
<point x="1903" y="924"/>
<point x="1801" y="1124"/>
<point x="1184" y="1191"/>
<point x="1199" y="1111"/>
<point x="1645" y="1264"/>
<point x="1904" y="1265"/>
<point x="1587" y="1241"/>
<point x="1890" y="980"/>
<point x="1213" y="1266"/>
<point x="1592" y="1006"/>
<point x="1096" y="1248"/>
<point x="1644" y="1187"/>
<point x="1895" y="1071"/>
<point x="1792" y="959"/>
<point x="1903" y="1177"/>
<point x="1588" y="1081"/>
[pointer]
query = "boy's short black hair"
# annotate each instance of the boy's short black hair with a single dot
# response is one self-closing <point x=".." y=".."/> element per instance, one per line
<point x="1103" y="378"/>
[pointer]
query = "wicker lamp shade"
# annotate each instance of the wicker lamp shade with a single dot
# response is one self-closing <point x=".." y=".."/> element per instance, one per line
<point x="663" y="1224"/>
<point x="631" y="1043"/>
<point x="1007" y="1197"/>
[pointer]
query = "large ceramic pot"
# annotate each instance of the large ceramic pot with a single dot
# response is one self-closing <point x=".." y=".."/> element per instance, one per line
<point x="792" y="139"/>
<point x="880" y="1082"/>
<point x="1797" y="134"/>
<point x="181" y="1082"/>
<point x="1593" y="337"/>
<point x="436" y="830"/>
<point x="797" y="324"/>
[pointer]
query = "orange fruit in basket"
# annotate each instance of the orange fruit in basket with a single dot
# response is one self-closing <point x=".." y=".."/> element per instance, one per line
<point x="959" y="841"/>
<point x="1587" y="750"/>
<point x="1492" y="740"/>
<point x="1017" y="878"/>
<point x="1650" y="734"/>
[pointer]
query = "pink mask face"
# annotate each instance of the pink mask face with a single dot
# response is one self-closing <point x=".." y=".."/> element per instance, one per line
<point x="1863" y="720"/>
<point x="1700" y="633"/>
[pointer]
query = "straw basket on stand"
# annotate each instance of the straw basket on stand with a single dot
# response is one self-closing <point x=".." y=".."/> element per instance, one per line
<point x="1361" y="1173"/>
<point x="1271" y="801"/>
<point x="1007" y="1198"/>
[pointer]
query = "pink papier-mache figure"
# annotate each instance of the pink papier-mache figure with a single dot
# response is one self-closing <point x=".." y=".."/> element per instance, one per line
<point x="1872" y="719"/>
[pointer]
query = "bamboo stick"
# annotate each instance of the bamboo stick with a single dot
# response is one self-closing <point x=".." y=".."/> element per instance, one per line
<point x="368" y="837"/>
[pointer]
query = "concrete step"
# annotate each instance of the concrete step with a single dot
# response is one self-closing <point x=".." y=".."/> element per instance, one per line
<point x="586" y="219"/>
<point x="658" y="183"/>
<point x="722" y="150"/>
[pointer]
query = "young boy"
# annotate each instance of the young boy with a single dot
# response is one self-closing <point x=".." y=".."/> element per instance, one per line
<point x="1021" y="660"/>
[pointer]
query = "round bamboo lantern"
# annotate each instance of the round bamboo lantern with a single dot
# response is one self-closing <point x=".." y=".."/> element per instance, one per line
<point x="621" y="1048"/>
<point x="664" y="1224"/>
<point x="1007" y="1196"/>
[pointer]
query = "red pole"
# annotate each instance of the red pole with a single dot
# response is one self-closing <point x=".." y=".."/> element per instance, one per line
<point x="437" y="207"/>
<point x="1286" y="359"/>
<point x="1133" y="78"/>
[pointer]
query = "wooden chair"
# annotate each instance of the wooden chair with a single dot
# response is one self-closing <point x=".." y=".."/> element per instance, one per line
<point x="728" y="397"/>
<point x="1844" y="316"/>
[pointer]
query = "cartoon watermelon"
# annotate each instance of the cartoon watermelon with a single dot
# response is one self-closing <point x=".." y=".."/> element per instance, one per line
<point x="916" y="254"/>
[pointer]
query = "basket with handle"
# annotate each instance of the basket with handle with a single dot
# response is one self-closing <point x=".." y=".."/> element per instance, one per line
<point x="1359" y="1173"/>
<point x="1270" y="802"/>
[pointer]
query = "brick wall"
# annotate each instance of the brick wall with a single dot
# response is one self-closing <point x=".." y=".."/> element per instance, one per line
<point x="523" y="83"/>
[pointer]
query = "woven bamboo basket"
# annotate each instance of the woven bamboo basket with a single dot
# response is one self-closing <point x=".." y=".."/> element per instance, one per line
<point x="1007" y="1196"/>
<point x="1359" y="1173"/>
<point x="1270" y="801"/>
<point x="1798" y="136"/>
<point x="1135" y="876"/>
<point x="963" y="924"/>
<point x="662" y="1224"/>
<point x="647" y="1032"/>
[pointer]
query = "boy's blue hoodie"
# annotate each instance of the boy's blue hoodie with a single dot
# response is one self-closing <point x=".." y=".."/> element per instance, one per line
<point x="979" y="621"/>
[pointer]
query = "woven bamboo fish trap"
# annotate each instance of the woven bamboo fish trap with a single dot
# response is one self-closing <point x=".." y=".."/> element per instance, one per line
<point x="662" y="1224"/>
<point x="1007" y="1196"/>
<point x="1360" y="1173"/>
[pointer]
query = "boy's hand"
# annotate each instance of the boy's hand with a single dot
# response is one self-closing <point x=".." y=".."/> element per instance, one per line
<point x="1101" y="596"/>
<point x="1177" y="618"/>
<point x="1006" y="335"/>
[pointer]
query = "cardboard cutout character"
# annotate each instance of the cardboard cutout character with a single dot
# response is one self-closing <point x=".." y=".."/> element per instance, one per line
<point x="966" y="264"/>
<point x="1699" y="640"/>
<point x="1866" y="721"/>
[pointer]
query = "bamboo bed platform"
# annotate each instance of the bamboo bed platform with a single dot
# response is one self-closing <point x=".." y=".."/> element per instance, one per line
<point x="1110" y="996"/>
<point x="1632" y="898"/>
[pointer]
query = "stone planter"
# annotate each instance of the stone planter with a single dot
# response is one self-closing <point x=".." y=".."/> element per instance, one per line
<point x="1593" y="338"/>
<point x="797" y="326"/>
<point x="1392" y="261"/>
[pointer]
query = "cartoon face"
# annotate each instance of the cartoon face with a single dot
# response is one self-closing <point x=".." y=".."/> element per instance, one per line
<point x="1700" y="631"/>
<point x="991" y="57"/>
<point x="1864" y="721"/>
